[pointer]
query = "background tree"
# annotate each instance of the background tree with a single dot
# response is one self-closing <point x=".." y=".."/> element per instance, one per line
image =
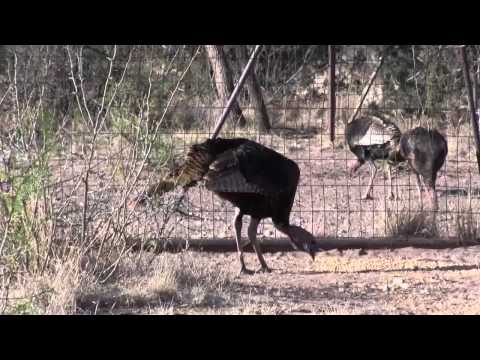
<point x="254" y="92"/>
<point x="223" y="78"/>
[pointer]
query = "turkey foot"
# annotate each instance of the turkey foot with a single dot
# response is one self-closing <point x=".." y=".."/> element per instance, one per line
<point x="264" y="270"/>
<point x="367" y="197"/>
<point x="245" y="271"/>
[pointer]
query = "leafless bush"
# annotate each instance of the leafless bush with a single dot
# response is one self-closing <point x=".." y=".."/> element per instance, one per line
<point x="467" y="223"/>
<point x="72" y="220"/>
<point x="407" y="222"/>
<point x="157" y="282"/>
<point x="467" y="227"/>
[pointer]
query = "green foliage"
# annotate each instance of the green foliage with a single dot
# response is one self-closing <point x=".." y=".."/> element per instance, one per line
<point x="25" y="308"/>
<point x="47" y="132"/>
<point x="153" y="75"/>
<point x="35" y="134"/>
<point x="3" y="59"/>
<point x="418" y="79"/>
<point x="160" y="149"/>
<point x="278" y="63"/>
<point x="28" y="185"/>
<point x="137" y="131"/>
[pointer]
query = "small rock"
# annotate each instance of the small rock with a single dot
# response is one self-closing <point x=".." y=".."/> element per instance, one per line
<point x="399" y="283"/>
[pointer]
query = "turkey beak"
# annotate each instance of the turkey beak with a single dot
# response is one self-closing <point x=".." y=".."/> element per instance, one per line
<point x="310" y="249"/>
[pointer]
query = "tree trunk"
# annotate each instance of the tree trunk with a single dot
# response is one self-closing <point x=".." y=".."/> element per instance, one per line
<point x="255" y="92"/>
<point x="475" y="77"/>
<point x="224" y="81"/>
<point x="471" y="104"/>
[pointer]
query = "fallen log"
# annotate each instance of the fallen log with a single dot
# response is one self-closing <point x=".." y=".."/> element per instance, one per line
<point x="273" y="245"/>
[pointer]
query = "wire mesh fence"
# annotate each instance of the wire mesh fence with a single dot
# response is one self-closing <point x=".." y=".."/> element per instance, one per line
<point x="86" y="129"/>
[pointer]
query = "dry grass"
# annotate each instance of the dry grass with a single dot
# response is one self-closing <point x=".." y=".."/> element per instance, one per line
<point x="467" y="224"/>
<point x="163" y="283"/>
<point x="467" y="227"/>
<point x="406" y="223"/>
<point x="462" y="144"/>
<point x="53" y="292"/>
<point x="403" y="218"/>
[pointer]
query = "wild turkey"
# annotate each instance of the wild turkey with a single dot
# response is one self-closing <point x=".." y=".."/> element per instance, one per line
<point x="373" y="138"/>
<point x="425" y="150"/>
<point x="257" y="180"/>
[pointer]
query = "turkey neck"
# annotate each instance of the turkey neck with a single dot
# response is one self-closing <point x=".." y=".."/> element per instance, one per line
<point x="283" y="227"/>
<point x="300" y="238"/>
<point x="286" y="229"/>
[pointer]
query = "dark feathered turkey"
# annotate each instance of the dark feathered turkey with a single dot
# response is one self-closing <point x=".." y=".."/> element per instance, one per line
<point x="425" y="150"/>
<point x="257" y="180"/>
<point x="373" y="138"/>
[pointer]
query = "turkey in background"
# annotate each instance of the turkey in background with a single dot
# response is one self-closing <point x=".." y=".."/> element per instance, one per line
<point x="425" y="151"/>
<point x="373" y="138"/>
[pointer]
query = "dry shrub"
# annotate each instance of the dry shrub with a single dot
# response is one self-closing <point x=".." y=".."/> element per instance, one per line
<point x="467" y="225"/>
<point x="142" y="282"/>
<point x="162" y="282"/>
<point x="405" y="222"/>
<point x="461" y="146"/>
<point x="53" y="292"/>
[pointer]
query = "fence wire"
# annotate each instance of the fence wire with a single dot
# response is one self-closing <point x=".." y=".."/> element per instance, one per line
<point x="97" y="164"/>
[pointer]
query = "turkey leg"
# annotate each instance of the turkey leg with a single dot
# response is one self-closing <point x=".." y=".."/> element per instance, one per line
<point x="373" y="173"/>
<point x="252" y="235"/>
<point x="419" y="188"/>
<point x="237" y="224"/>
<point x="433" y="197"/>
<point x="389" y="172"/>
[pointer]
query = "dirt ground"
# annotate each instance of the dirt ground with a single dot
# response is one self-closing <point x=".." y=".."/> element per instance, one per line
<point x="403" y="281"/>
<point x="406" y="281"/>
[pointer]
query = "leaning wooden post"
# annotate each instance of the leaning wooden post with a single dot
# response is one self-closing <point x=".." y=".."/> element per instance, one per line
<point x="366" y="89"/>
<point x="331" y="91"/>
<point x="471" y="102"/>
<point x="474" y="89"/>
<point x="475" y="71"/>
<point x="235" y="92"/>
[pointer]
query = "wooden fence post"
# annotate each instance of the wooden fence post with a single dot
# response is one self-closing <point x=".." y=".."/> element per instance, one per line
<point x="331" y="91"/>
<point x="471" y="102"/>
